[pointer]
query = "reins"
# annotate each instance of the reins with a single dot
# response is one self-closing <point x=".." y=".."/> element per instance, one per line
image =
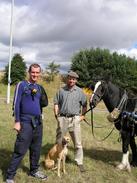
<point x="92" y="127"/>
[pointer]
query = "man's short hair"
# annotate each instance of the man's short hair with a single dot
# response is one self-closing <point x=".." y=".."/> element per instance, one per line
<point x="35" y="65"/>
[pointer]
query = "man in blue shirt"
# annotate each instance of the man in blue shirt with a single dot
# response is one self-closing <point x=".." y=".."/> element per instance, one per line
<point x="29" y="98"/>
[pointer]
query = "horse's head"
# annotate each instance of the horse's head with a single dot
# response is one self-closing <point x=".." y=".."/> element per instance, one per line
<point x="98" y="93"/>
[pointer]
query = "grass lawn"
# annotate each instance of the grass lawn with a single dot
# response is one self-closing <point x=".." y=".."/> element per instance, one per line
<point x="100" y="158"/>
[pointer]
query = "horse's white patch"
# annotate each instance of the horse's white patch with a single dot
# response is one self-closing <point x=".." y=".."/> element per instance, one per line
<point x="125" y="158"/>
<point x="96" y="87"/>
<point x="125" y="162"/>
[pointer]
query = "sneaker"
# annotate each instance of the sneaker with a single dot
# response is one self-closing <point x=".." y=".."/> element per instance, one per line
<point x="81" y="168"/>
<point x="40" y="175"/>
<point x="9" y="181"/>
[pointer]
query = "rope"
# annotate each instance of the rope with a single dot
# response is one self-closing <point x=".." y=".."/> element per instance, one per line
<point x="92" y="127"/>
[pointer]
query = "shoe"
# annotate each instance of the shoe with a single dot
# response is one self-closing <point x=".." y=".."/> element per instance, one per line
<point x="81" y="168"/>
<point x="40" y="175"/>
<point x="9" y="181"/>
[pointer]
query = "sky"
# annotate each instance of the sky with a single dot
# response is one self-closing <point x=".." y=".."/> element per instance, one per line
<point x="54" y="30"/>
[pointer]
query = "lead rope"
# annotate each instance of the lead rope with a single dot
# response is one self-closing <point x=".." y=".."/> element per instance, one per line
<point x="92" y="127"/>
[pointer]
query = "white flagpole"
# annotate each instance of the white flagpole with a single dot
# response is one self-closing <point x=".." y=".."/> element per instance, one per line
<point x="10" y="52"/>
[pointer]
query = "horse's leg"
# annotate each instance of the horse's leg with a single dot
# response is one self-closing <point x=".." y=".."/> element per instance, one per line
<point x="125" y="165"/>
<point x="134" y="151"/>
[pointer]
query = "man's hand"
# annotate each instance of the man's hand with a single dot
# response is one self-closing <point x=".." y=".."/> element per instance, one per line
<point x="17" y="126"/>
<point x="82" y="117"/>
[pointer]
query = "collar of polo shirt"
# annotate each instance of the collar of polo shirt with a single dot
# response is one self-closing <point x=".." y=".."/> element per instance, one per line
<point x="73" y="88"/>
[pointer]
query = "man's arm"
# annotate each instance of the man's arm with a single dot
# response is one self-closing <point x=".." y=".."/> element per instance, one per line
<point x="56" y="110"/>
<point x="17" y="126"/>
<point x="43" y="98"/>
<point x="84" y="105"/>
<point x="56" y="104"/>
<point x="84" y="109"/>
<point x="17" y="99"/>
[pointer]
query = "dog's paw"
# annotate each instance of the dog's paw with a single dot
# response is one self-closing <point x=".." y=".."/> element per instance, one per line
<point x="59" y="175"/>
<point x="64" y="172"/>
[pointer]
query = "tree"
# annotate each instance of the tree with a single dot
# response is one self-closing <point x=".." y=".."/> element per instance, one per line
<point x="93" y="64"/>
<point x="52" y="70"/>
<point x="18" y="70"/>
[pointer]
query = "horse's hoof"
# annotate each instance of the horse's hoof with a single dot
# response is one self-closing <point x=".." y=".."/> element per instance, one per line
<point x="59" y="175"/>
<point x="64" y="172"/>
<point x="122" y="166"/>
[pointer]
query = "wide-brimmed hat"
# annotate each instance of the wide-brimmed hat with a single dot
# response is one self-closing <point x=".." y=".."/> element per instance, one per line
<point x="73" y="74"/>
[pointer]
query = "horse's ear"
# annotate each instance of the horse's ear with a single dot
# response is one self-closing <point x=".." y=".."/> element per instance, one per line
<point x="92" y="86"/>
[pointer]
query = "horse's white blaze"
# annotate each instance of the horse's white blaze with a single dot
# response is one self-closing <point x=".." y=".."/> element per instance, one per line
<point x="96" y="87"/>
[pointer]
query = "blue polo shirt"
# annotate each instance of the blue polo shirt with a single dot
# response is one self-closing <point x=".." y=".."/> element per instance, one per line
<point x="26" y="102"/>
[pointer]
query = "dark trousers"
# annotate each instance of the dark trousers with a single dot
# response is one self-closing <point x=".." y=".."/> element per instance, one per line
<point x="28" y="138"/>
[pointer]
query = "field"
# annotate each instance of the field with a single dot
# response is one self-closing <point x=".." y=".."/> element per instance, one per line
<point x="100" y="158"/>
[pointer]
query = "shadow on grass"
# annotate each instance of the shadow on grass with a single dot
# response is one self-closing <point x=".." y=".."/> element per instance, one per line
<point x="5" y="157"/>
<point x="102" y="154"/>
<point x="105" y="155"/>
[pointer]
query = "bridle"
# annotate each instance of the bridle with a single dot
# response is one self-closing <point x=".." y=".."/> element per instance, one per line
<point x="100" y="95"/>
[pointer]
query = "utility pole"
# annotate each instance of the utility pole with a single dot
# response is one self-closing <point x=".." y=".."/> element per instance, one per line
<point x="10" y="52"/>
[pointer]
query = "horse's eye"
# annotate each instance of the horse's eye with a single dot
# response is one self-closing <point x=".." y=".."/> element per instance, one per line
<point x="102" y="90"/>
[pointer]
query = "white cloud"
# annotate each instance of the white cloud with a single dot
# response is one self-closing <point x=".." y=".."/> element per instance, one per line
<point x="53" y="30"/>
<point x="131" y="52"/>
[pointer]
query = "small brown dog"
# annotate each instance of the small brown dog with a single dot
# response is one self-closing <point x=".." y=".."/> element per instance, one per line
<point x="57" y="154"/>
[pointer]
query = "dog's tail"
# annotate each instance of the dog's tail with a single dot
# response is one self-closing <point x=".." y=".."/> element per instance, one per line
<point x="49" y="164"/>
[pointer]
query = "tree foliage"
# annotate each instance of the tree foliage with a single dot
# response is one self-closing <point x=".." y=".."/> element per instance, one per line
<point x="52" y="71"/>
<point x="97" y="63"/>
<point x="18" y="70"/>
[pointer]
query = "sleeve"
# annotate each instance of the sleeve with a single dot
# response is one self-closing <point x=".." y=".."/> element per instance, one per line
<point x="43" y="98"/>
<point x="56" y="99"/>
<point x="17" y="99"/>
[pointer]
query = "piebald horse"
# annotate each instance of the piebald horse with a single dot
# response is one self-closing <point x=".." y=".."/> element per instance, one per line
<point x="126" y="121"/>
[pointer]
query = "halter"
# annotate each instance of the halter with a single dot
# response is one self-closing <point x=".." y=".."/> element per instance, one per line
<point x="102" y="94"/>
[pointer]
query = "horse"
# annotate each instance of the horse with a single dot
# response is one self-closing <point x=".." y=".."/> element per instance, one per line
<point x="118" y="99"/>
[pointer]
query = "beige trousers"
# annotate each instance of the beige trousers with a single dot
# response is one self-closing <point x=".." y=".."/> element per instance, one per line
<point x="71" y="125"/>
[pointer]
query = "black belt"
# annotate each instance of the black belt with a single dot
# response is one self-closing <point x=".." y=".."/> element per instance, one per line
<point x="68" y="115"/>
